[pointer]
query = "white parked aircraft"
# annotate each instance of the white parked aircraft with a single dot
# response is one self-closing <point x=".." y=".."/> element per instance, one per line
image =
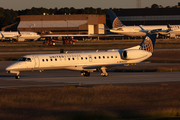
<point x="118" y="27"/>
<point x="86" y="62"/>
<point x="19" y="36"/>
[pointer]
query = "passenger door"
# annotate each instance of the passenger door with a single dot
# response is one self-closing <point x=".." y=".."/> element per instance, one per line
<point x="36" y="61"/>
<point x="90" y="58"/>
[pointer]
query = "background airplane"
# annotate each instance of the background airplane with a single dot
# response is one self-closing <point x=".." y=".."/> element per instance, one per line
<point x="19" y="36"/>
<point x="118" y="27"/>
<point x="87" y="62"/>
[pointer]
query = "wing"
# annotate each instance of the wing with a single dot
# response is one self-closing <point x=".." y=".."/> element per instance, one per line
<point x="100" y="66"/>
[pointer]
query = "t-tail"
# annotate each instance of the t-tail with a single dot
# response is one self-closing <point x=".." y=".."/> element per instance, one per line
<point x="114" y="19"/>
<point x="148" y="42"/>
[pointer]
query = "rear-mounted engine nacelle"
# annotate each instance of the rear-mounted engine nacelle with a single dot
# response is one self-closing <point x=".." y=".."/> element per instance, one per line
<point x="135" y="54"/>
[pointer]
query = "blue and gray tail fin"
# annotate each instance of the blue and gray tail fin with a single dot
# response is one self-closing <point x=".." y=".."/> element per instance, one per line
<point x="148" y="42"/>
<point x="2" y="35"/>
<point x="114" y="19"/>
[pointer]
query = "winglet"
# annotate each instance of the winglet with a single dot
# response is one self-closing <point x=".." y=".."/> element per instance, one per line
<point x="19" y="33"/>
<point x="106" y="27"/>
<point x="142" y="30"/>
<point x="168" y="26"/>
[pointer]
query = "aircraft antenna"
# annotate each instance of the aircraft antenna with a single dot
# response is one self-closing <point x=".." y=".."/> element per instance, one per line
<point x="138" y="3"/>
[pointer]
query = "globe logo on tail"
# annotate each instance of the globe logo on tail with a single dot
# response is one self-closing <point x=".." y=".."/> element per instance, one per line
<point x="117" y="23"/>
<point x="147" y="45"/>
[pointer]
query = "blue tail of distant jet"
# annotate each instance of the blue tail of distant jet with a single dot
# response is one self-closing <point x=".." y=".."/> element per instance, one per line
<point x="114" y="19"/>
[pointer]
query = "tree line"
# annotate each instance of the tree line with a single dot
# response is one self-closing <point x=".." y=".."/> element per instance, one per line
<point x="9" y="16"/>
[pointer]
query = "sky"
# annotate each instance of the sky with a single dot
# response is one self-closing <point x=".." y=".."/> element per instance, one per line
<point x="28" y="4"/>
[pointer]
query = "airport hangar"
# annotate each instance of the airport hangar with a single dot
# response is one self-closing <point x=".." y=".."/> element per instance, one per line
<point x="87" y="24"/>
<point x="79" y="24"/>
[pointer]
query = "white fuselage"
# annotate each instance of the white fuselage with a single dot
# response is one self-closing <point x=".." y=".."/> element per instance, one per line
<point x="90" y="61"/>
<point x="136" y="30"/>
<point x="25" y="35"/>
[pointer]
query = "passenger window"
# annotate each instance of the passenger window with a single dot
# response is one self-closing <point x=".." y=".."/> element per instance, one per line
<point x="68" y="58"/>
<point x="51" y="60"/>
<point x="115" y="56"/>
<point x="73" y="58"/>
<point x="46" y="59"/>
<point x="43" y="60"/>
<point x="55" y="59"/>
<point x="99" y="57"/>
<point x="104" y="57"/>
<point x="107" y="56"/>
<point x="86" y="58"/>
<point x="81" y="58"/>
<point x="94" y="57"/>
<point x="111" y="56"/>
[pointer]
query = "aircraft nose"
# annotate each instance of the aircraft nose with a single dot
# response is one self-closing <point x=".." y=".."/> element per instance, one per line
<point x="12" y="67"/>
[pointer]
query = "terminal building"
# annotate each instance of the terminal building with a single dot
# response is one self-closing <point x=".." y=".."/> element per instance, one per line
<point x="149" y="16"/>
<point x="60" y="24"/>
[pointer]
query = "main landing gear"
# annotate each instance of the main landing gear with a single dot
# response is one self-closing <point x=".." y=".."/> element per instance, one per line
<point x="85" y="73"/>
<point x="103" y="72"/>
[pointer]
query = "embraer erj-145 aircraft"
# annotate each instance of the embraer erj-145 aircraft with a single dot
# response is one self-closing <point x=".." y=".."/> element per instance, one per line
<point x="118" y="27"/>
<point x="19" y="36"/>
<point x="86" y="62"/>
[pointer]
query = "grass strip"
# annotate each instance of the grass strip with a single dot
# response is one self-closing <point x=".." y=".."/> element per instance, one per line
<point x="157" y="102"/>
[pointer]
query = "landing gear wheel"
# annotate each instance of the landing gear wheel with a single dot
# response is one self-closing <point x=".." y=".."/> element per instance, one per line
<point x="85" y="73"/>
<point x="17" y="77"/>
<point x="104" y="74"/>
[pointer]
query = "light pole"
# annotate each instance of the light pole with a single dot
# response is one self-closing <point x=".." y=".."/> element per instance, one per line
<point x="67" y="26"/>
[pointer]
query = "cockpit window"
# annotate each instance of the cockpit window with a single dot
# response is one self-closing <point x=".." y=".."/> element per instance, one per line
<point x="28" y="59"/>
<point x="25" y="59"/>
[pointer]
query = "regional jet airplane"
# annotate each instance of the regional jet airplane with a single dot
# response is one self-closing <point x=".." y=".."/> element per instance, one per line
<point x="87" y="62"/>
<point x="19" y="36"/>
<point x="119" y="27"/>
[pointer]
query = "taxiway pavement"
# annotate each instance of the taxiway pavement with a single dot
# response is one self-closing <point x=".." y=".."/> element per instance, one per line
<point x="65" y="77"/>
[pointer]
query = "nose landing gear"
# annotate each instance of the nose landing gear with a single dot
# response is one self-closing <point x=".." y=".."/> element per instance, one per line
<point x="15" y="72"/>
<point x="17" y="77"/>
